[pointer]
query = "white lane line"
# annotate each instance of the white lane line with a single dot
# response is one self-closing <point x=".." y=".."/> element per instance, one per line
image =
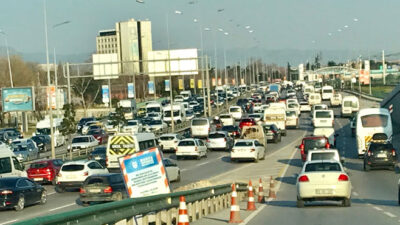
<point x="377" y="208"/>
<point x="390" y="214"/>
<point x="64" y="206"/>
<point x="355" y="193"/>
<point x="183" y="170"/>
<point x="51" y="193"/>
<point x="204" y="163"/>
<point x="8" y="222"/>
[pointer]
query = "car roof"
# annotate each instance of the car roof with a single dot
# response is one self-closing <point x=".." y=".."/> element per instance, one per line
<point x="81" y="162"/>
<point x="83" y="136"/>
<point x="323" y="150"/>
<point x="168" y="135"/>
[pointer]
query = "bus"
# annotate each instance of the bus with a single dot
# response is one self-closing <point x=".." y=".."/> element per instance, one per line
<point x="369" y="122"/>
<point x="123" y="144"/>
<point x="327" y="92"/>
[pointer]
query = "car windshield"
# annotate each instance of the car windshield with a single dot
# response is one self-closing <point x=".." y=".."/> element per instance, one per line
<point x="186" y="143"/>
<point x="229" y="128"/>
<point x="323" y="114"/>
<point x="155" y="122"/>
<point x="327" y="91"/>
<point x="72" y="167"/>
<point x="45" y="131"/>
<point x="18" y="148"/>
<point x="374" y="120"/>
<point x="168" y="113"/>
<point x="132" y="123"/>
<point x="94" y="131"/>
<point x="96" y="180"/>
<point x="80" y="140"/>
<point x="322" y="167"/>
<point x="244" y="144"/>
<point x="153" y="110"/>
<point x="380" y="147"/>
<point x="290" y="113"/>
<point x="225" y="116"/>
<point x="199" y="122"/>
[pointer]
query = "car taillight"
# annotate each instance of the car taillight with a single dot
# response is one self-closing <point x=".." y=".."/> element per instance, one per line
<point x="195" y="148"/>
<point x="82" y="191"/>
<point x="253" y="149"/>
<point x="225" y="140"/>
<point x="108" y="190"/>
<point x="208" y="140"/>
<point x="6" y="192"/>
<point x="176" y="149"/>
<point x="274" y="132"/>
<point x="393" y="152"/>
<point x="303" y="178"/>
<point x="327" y="145"/>
<point x="343" y="177"/>
<point x="59" y="174"/>
<point x="369" y="153"/>
<point x="86" y="173"/>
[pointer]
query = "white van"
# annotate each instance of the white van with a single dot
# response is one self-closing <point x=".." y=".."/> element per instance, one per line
<point x="236" y="112"/>
<point x="369" y="122"/>
<point x="200" y="127"/>
<point x="314" y="98"/>
<point x="123" y="144"/>
<point x="328" y="132"/>
<point x="186" y="95"/>
<point x="10" y="165"/>
<point x="323" y="118"/>
<point x="336" y="100"/>
<point x="308" y="89"/>
<point x="178" y="115"/>
<point x="43" y="128"/>
<point x="350" y="106"/>
<point x="327" y="92"/>
<point x="154" y="107"/>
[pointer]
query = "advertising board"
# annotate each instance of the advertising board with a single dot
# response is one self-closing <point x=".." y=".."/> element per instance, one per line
<point x="18" y="99"/>
<point x="173" y="62"/>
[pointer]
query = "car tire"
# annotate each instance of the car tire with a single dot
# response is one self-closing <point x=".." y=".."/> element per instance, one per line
<point x="280" y="137"/>
<point x="256" y="160"/>
<point x="59" y="189"/>
<point x="117" y="196"/>
<point x="85" y="204"/>
<point x="346" y="202"/>
<point x="198" y="157"/>
<point x="53" y="182"/>
<point x="20" y="204"/>
<point x="284" y="134"/>
<point x="300" y="203"/>
<point x="43" y="198"/>
<point x="263" y="157"/>
<point x="392" y="168"/>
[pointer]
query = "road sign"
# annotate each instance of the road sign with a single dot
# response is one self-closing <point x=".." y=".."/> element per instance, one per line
<point x="144" y="174"/>
<point x="199" y="84"/>
<point x="131" y="90"/>
<point x="106" y="93"/>
<point x="18" y="99"/>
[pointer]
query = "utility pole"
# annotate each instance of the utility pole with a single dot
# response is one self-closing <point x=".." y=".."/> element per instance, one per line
<point x="383" y="67"/>
<point x="208" y="87"/>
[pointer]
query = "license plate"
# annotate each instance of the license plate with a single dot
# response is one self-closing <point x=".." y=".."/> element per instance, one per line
<point x="323" y="191"/>
<point x="323" y="121"/>
<point x="71" y="176"/>
<point x="94" y="190"/>
<point x="38" y="179"/>
<point x="381" y="155"/>
<point x="97" y="158"/>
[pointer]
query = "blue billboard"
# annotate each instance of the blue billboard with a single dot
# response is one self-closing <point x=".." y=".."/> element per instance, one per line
<point x="18" y="99"/>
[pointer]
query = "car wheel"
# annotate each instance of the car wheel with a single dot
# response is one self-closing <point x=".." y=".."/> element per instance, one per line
<point x="60" y="189"/>
<point x="178" y="157"/>
<point x="392" y="168"/>
<point x="346" y="202"/>
<point x="43" y="198"/>
<point x="85" y="204"/>
<point x="117" y="196"/>
<point x="21" y="203"/>
<point x="198" y="157"/>
<point x="300" y="203"/>
<point x="256" y="160"/>
<point x="284" y="134"/>
<point x="276" y="140"/>
<point x="263" y="157"/>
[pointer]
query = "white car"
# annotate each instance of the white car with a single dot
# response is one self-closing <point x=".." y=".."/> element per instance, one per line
<point x="86" y="127"/>
<point x="154" y="116"/>
<point x="323" y="180"/>
<point x="323" y="118"/>
<point x="193" y="104"/>
<point x="173" y="171"/>
<point x="292" y="119"/>
<point x="156" y="126"/>
<point x="318" y="107"/>
<point x="324" y="154"/>
<point x="236" y="112"/>
<point x="219" y="140"/>
<point x="191" y="147"/>
<point x="133" y="127"/>
<point x="200" y="127"/>
<point x="245" y="149"/>
<point x="227" y="119"/>
<point x="257" y="108"/>
<point x="111" y="128"/>
<point x="295" y="107"/>
<point x="305" y="107"/>
<point x="83" y="142"/>
<point x="336" y="100"/>
<point x="73" y="174"/>
<point x="169" y="142"/>
<point x="292" y="100"/>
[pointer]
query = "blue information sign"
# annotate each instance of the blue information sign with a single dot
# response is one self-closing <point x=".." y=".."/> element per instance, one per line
<point x="18" y="99"/>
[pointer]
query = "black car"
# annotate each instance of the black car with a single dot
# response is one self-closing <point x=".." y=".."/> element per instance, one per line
<point x="99" y="154"/>
<point x="18" y="192"/>
<point x="43" y="142"/>
<point x="233" y="131"/>
<point x="82" y="122"/>
<point x="273" y="133"/>
<point x="103" y="188"/>
<point x="7" y="135"/>
<point x="380" y="155"/>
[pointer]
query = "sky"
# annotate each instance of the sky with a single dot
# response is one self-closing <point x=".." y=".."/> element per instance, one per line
<point x="366" y="25"/>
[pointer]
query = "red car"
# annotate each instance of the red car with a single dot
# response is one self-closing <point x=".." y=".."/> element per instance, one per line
<point x="312" y="142"/>
<point x="45" y="171"/>
<point x="100" y="135"/>
<point x="247" y="122"/>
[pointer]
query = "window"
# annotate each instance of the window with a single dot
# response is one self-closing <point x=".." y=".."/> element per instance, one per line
<point x="374" y="120"/>
<point x="186" y="143"/>
<point x="320" y="167"/>
<point x="144" y="145"/>
<point x="17" y="164"/>
<point x="39" y="165"/>
<point x="322" y="156"/>
<point x="199" y="122"/>
<point x="244" y="144"/>
<point x="96" y="180"/>
<point x="216" y="135"/>
<point x="314" y="143"/>
<point x="323" y="114"/>
<point x="58" y="162"/>
<point x="22" y="183"/>
<point x="5" y="165"/>
<point x="167" y="138"/>
<point x="72" y="167"/>
<point x="95" y="165"/>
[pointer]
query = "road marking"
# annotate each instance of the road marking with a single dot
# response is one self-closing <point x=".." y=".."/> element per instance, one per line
<point x="51" y="193"/>
<point x="355" y="193"/>
<point x="204" y="163"/>
<point x="64" y="206"/>
<point x="390" y="214"/>
<point x="183" y="170"/>
<point x="377" y="208"/>
<point x="8" y="222"/>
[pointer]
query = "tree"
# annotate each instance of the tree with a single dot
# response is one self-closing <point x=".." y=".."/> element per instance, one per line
<point x="331" y="63"/>
<point x="118" y="118"/>
<point x="88" y="90"/>
<point x="68" y="124"/>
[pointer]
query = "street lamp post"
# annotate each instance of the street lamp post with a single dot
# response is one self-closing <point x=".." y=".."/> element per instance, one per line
<point x="8" y="57"/>
<point x="202" y="67"/>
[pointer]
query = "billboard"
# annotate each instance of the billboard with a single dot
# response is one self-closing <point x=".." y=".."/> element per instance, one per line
<point x="180" y="84"/>
<point x="192" y="83"/>
<point x="182" y="62"/>
<point x="364" y="77"/>
<point x="51" y="96"/>
<point x="106" y="93"/>
<point x="18" y="99"/>
<point x="107" y="68"/>
<point x="131" y="90"/>
<point x="151" y="87"/>
<point x="167" y="85"/>
<point x="144" y="174"/>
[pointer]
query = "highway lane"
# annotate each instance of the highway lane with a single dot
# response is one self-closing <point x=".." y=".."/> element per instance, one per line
<point x="374" y="193"/>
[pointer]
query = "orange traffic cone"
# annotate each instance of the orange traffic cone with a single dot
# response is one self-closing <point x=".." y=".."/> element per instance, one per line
<point x="272" y="193"/>
<point x="235" y="210"/>
<point x="260" y="193"/>
<point x="251" y="205"/>
<point x="183" y="218"/>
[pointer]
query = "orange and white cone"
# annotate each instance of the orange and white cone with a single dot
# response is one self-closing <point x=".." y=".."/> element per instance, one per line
<point x="272" y="193"/>
<point x="235" y="209"/>
<point x="183" y="218"/>
<point x="272" y="183"/>
<point x="251" y="205"/>
<point x="260" y="193"/>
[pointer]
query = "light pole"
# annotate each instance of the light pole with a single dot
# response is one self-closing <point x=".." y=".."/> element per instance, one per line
<point x="8" y="57"/>
<point x="215" y="62"/>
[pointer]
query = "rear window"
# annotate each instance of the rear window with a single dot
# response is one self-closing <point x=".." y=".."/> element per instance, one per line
<point x="216" y="135"/>
<point x="132" y="123"/>
<point x="199" y="122"/>
<point x="322" y="156"/>
<point x="167" y="138"/>
<point x="243" y="144"/>
<point x="290" y="113"/>
<point x="374" y="120"/>
<point x="96" y="180"/>
<point x="350" y="103"/>
<point x="186" y="143"/>
<point x="80" y="139"/>
<point x="72" y="167"/>
<point x="39" y="165"/>
<point x="327" y="91"/>
<point x="323" y="114"/>
<point x="247" y="120"/>
<point x="255" y="116"/>
<point x="319" y="167"/>
<point x="314" y="143"/>
<point x="225" y="116"/>
<point x="229" y="128"/>
<point x="319" y="107"/>
<point x="379" y="147"/>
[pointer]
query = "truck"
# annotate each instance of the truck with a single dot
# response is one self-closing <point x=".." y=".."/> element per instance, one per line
<point x="43" y="128"/>
<point x="276" y="116"/>
<point x="178" y="115"/>
<point x="254" y="132"/>
<point x="129" y="108"/>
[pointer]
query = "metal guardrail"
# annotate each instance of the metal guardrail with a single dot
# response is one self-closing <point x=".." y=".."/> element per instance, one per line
<point x="164" y="207"/>
<point x="365" y="96"/>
